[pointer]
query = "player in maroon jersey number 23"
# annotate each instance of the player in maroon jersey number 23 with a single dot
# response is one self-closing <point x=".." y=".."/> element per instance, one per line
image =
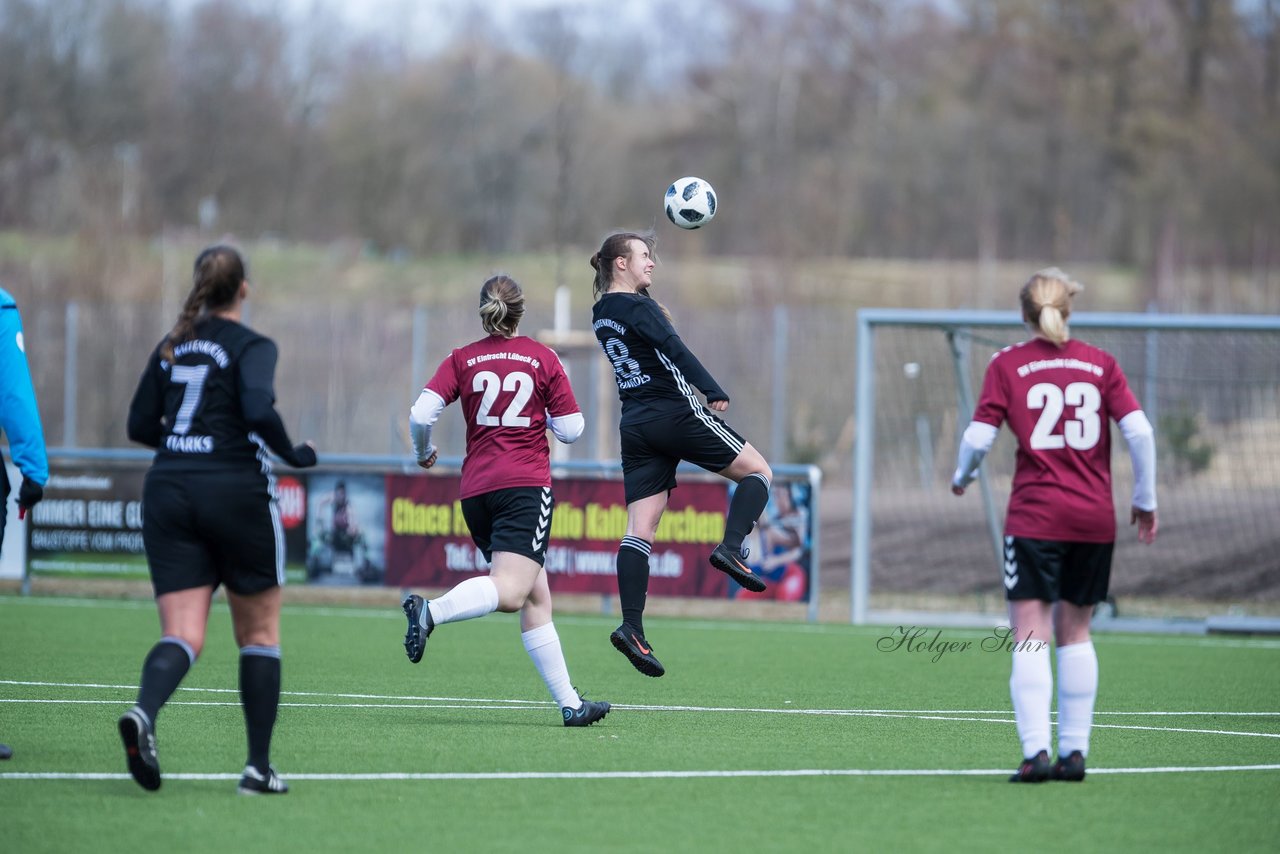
<point x="1058" y="397"/>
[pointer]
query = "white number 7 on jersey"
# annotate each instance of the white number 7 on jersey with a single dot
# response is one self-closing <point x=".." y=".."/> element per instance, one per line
<point x="192" y="377"/>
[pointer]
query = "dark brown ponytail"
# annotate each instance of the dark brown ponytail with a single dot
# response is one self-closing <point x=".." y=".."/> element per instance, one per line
<point x="216" y="279"/>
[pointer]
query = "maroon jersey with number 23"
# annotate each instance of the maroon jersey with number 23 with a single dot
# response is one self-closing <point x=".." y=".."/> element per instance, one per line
<point x="1058" y="402"/>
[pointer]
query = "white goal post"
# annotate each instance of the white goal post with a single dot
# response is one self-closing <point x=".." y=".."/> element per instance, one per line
<point x="1209" y="383"/>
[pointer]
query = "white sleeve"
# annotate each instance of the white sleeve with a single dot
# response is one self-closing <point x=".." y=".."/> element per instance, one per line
<point x="567" y="428"/>
<point x="426" y="409"/>
<point x="1141" y="437"/>
<point x="974" y="444"/>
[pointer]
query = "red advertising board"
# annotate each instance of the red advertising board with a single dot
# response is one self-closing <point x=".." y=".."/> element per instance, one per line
<point x="428" y="544"/>
<point x="345" y="527"/>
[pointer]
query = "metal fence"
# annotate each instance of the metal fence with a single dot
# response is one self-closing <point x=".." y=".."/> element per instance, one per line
<point x="349" y="371"/>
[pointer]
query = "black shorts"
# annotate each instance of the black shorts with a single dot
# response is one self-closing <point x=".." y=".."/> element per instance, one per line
<point x="516" y="520"/>
<point x="1050" y="570"/>
<point x="211" y="528"/>
<point x="652" y="450"/>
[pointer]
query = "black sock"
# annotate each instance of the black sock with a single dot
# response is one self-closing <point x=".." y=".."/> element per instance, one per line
<point x="260" y="698"/>
<point x="633" y="580"/>
<point x="166" y="664"/>
<point x="748" y="502"/>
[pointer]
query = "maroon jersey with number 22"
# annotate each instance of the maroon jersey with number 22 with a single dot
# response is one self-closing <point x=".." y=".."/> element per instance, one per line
<point x="508" y="386"/>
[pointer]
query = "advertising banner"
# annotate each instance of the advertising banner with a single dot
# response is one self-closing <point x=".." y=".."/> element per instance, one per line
<point x="90" y="522"/>
<point x="291" y="500"/>
<point x="346" y="528"/>
<point x="361" y="528"/>
<point x="428" y="544"/>
<point x="780" y="547"/>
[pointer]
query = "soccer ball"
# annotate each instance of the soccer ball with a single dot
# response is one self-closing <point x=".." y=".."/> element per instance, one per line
<point x="690" y="203"/>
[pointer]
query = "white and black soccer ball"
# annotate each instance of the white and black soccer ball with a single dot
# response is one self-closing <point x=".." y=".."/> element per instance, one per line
<point x="690" y="202"/>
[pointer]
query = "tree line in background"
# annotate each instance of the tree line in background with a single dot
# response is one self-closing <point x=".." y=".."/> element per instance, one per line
<point x="1144" y="133"/>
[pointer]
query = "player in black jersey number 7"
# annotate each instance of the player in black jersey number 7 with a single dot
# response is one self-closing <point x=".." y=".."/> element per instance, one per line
<point x="664" y="422"/>
<point x="206" y="403"/>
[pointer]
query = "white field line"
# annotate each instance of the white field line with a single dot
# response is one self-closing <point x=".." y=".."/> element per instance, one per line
<point x="639" y="775"/>
<point x="664" y="708"/>
<point x="236" y="691"/>
<point x="490" y="704"/>
<point x="475" y="706"/>
<point x="392" y="613"/>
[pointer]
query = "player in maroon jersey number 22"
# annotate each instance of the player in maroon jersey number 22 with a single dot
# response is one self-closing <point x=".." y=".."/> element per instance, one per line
<point x="512" y="389"/>
<point x="1058" y="396"/>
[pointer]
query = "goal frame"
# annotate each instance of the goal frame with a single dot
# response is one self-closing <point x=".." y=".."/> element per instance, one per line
<point x="948" y="323"/>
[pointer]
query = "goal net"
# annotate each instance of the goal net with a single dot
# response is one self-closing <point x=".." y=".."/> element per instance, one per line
<point x="1210" y="384"/>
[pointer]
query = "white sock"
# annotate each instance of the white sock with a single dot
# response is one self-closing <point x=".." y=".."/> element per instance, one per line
<point x="543" y="646"/>
<point x="1077" y="691"/>
<point x="1031" y="686"/>
<point x="469" y="599"/>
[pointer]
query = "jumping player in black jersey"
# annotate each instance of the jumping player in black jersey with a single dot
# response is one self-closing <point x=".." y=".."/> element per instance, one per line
<point x="206" y="403"/>
<point x="662" y="423"/>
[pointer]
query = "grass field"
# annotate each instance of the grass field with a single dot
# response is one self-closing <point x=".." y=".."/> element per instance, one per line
<point x="762" y="736"/>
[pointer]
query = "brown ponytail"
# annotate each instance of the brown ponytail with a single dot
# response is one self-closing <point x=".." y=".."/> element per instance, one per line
<point x="216" y="279"/>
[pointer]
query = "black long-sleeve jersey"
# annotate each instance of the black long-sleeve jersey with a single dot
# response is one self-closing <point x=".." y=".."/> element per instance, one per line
<point x="656" y="372"/>
<point x="214" y="406"/>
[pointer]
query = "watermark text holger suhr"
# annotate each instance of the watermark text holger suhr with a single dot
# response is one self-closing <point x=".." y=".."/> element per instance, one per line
<point x="914" y="639"/>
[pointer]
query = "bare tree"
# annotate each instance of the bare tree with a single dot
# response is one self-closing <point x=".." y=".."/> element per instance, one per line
<point x="1196" y="20"/>
<point x="1136" y="131"/>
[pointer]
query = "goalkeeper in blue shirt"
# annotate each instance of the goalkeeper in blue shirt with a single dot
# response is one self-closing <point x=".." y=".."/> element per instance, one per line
<point x="20" y="421"/>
